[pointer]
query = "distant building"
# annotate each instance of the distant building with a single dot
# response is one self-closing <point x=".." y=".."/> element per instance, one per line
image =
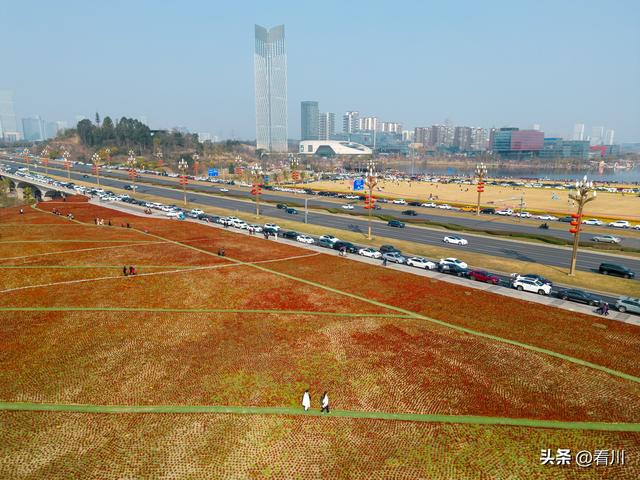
<point x="33" y="129"/>
<point x="8" y="123"/>
<point x="391" y="127"/>
<point x="332" y="148"/>
<point x="442" y="136"/>
<point x="479" y="139"/>
<point x="604" y="150"/>
<point x="608" y="139"/>
<point x="516" y="143"/>
<point x="597" y="135"/>
<point x="536" y="127"/>
<point x="422" y="135"/>
<point x="555" y="147"/>
<point x="204" y="137"/>
<point x="578" y="131"/>
<point x="350" y="122"/>
<point x="309" y="120"/>
<point x="327" y="126"/>
<point x="462" y="138"/>
<point x="408" y="135"/>
<point x="270" y="64"/>
<point x="368" y="123"/>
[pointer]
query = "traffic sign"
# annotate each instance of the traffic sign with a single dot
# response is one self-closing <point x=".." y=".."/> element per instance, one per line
<point x="213" y="172"/>
<point x="358" y="184"/>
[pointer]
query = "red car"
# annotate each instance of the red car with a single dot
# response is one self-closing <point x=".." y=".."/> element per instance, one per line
<point x="482" y="276"/>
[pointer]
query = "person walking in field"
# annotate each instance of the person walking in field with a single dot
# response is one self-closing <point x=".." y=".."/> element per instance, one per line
<point x="124" y="271"/>
<point x="132" y="270"/>
<point x="325" y="403"/>
<point x="306" y="400"/>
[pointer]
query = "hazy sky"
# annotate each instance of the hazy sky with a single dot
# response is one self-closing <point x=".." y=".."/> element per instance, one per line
<point x="476" y="63"/>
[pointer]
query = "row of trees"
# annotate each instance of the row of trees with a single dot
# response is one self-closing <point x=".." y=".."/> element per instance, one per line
<point x="127" y="133"/>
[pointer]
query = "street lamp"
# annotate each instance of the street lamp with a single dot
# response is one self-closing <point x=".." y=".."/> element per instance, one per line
<point x="370" y="183"/>
<point x="27" y="160"/>
<point x="159" y="155"/>
<point x="196" y="164"/>
<point x="67" y="163"/>
<point x="132" y="169"/>
<point x="481" y="173"/>
<point x="584" y="194"/>
<point x="182" y="165"/>
<point x="294" y="161"/>
<point x="45" y="159"/>
<point x="96" y="166"/>
<point x="256" y="188"/>
<point x="108" y="152"/>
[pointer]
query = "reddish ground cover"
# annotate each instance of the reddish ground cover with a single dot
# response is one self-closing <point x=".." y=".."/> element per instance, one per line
<point x="70" y="445"/>
<point x="613" y="344"/>
<point x="371" y="364"/>
<point x="12" y="216"/>
<point x="66" y="231"/>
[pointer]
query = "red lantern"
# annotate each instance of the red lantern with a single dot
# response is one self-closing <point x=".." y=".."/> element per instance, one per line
<point x="256" y="189"/>
<point x="184" y="180"/>
<point x="573" y="230"/>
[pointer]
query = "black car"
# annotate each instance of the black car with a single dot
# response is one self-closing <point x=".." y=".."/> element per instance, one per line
<point x="270" y="231"/>
<point x="453" y="269"/>
<point x="614" y="269"/>
<point x="565" y="219"/>
<point x="576" y="295"/>
<point x="292" y="211"/>
<point x="411" y="213"/>
<point x="281" y="206"/>
<point x="488" y="211"/>
<point x="128" y="187"/>
<point x="396" y="223"/>
<point x="388" y="249"/>
<point x="351" y="248"/>
<point x="414" y="204"/>
<point x="290" y="235"/>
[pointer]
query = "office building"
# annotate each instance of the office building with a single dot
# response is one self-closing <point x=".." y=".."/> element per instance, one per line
<point x="441" y="136"/>
<point x="462" y="138"/>
<point x="479" y="139"/>
<point x="578" y="131"/>
<point x="390" y="127"/>
<point x="8" y="123"/>
<point x="327" y="126"/>
<point x="516" y="143"/>
<point x="270" y="65"/>
<point x="597" y="135"/>
<point x="309" y="120"/>
<point x="332" y="148"/>
<point x="422" y="135"/>
<point x="34" y="129"/>
<point x="368" y="123"/>
<point x="408" y="136"/>
<point x="608" y="138"/>
<point x="350" y="122"/>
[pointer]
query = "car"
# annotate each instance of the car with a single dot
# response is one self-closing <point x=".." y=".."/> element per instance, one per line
<point x="428" y="205"/>
<point x="350" y="247"/>
<point x="305" y="239"/>
<point x="272" y="226"/>
<point x="421" y="262"/>
<point x="636" y="227"/>
<point x="522" y="214"/>
<point x="547" y="217"/>
<point x="128" y="187"/>
<point x="292" y="211"/>
<point x="411" y="213"/>
<point x="270" y="231"/>
<point x="532" y="285"/>
<point x="593" y="221"/>
<point x="581" y="296"/>
<point x="615" y="269"/>
<point x="399" y="201"/>
<point x="347" y="207"/>
<point x="453" y="261"/>
<point x="369" y="252"/>
<point x="395" y="223"/>
<point x="620" y="224"/>
<point x="324" y="242"/>
<point x="281" y="206"/>
<point x="566" y="219"/>
<point x="532" y="276"/>
<point x="453" y="269"/>
<point x="388" y="248"/>
<point x="395" y="257"/>
<point x="445" y="206"/>
<point x="628" y="304"/>
<point x="256" y="228"/>
<point x="484" y="276"/>
<point x="414" y="204"/>
<point x="196" y="211"/>
<point x="506" y="211"/>
<point x="224" y="190"/>
<point x="329" y="238"/>
<point x="290" y="234"/>
<point x="455" y="240"/>
<point x="606" y="239"/>
<point x="488" y="211"/>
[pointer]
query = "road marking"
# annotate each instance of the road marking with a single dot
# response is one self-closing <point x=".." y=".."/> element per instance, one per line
<point x="238" y="410"/>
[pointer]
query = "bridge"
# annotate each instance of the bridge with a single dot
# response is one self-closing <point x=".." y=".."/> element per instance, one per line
<point x="41" y="190"/>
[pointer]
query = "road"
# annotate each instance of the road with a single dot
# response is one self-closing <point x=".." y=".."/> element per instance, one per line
<point x="484" y="244"/>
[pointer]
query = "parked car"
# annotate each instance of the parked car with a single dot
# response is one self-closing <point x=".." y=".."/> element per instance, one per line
<point x="272" y="226"/>
<point x="581" y="296"/>
<point x="292" y="211"/>
<point x="506" y="211"/>
<point x="628" y="304"/>
<point x="445" y="206"/>
<point x="196" y="211"/>
<point x="395" y="223"/>
<point x="290" y="234"/>
<point x="453" y="261"/>
<point x="395" y="257"/>
<point x="400" y="201"/>
<point x="615" y="269"/>
<point x="224" y="190"/>
<point x="428" y="205"/>
<point x="270" y="231"/>
<point x="566" y="219"/>
<point x="369" y="252"/>
<point x="329" y="238"/>
<point x="351" y="248"/>
<point x="256" y="228"/>
<point x="484" y="276"/>
<point x="532" y="285"/>
<point x="411" y="213"/>
<point x="488" y="211"/>
<point x="421" y="262"/>
<point x="532" y="276"/>
<point x="454" y="239"/>
<point x="453" y="269"/>
<point x="414" y="204"/>
<point x="388" y="248"/>
<point x="620" y="224"/>
<point x="593" y="221"/>
<point x="606" y="239"/>
<point x="325" y="242"/>
<point x="305" y="239"/>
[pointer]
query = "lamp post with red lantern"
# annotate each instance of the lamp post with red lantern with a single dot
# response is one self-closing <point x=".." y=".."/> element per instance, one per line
<point x="27" y="159"/>
<point x="45" y="159"/>
<point x="132" y="169"/>
<point x="183" y="166"/>
<point x="196" y="165"/>
<point x="481" y="173"/>
<point x="96" y="166"/>
<point x="256" y="187"/>
<point x="370" y="182"/>
<point x="67" y="163"/>
<point x="584" y="194"/>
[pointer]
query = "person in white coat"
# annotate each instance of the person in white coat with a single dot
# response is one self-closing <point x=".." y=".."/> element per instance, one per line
<point x="306" y="400"/>
<point x="325" y="402"/>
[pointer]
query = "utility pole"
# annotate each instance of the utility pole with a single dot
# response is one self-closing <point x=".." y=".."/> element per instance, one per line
<point x="583" y="195"/>
<point x="481" y="173"/>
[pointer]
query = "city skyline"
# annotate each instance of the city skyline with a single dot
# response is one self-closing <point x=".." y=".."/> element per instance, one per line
<point x="201" y="76"/>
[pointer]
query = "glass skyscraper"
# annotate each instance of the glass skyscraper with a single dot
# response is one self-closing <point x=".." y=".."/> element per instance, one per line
<point x="270" y="63"/>
<point x="8" y="123"/>
<point x="309" y="118"/>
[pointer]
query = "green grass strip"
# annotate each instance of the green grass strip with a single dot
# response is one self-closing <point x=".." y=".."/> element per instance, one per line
<point x="405" y="417"/>
<point x="196" y="310"/>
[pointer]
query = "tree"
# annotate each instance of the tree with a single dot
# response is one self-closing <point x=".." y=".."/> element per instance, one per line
<point x="108" y="130"/>
<point x="27" y="195"/>
<point x="97" y="119"/>
<point x="85" y="132"/>
<point x="5" y="188"/>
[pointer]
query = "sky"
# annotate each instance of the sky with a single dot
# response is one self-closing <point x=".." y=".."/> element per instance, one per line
<point x="190" y="63"/>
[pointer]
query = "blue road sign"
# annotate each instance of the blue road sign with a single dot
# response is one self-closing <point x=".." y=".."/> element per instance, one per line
<point x="213" y="172"/>
<point x="266" y="179"/>
<point x="358" y="184"/>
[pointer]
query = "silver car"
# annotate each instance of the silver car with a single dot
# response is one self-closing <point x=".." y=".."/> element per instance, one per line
<point x="394" y="257"/>
<point x="628" y="304"/>
<point x="606" y="239"/>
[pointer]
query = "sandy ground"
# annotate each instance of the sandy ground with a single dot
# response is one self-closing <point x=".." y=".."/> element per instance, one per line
<point x="607" y="205"/>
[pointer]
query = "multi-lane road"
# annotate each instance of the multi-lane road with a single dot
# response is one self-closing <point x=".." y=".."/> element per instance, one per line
<point x="478" y="243"/>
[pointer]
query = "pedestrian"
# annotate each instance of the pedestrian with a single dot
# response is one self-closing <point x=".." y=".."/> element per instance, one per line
<point x="124" y="271"/>
<point x="384" y="261"/>
<point x="306" y="400"/>
<point x="132" y="270"/>
<point x="222" y="252"/>
<point x="266" y="235"/>
<point x="109" y="222"/>
<point x="605" y="309"/>
<point x="128" y="225"/>
<point x="325" y="403"/>
<point x="21" y="211"/>
<point x="95" y="220"/>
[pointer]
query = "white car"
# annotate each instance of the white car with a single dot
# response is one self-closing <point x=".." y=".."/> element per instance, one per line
<point x="547" y="217"/>
<point x="196" y="211"/>
<point x="522" y="214"/>
<point x="637" y="227"/>
<point x="620" y="224"/>
<point x="256" y="228"/>
<point x="347" y="207"/>
<point x="445" y="206"/>
<point x="369" y="252"/>
<point x="506" y="211"/>
<point x="272" y="225"/>
<point x="592" y="221"/>
<point x="454" y="239"/>
<point x="305" y="239"/>
<point x="428" y="205"/>
<point x="453" y="261"/>
<point x="224" y="189"/>
<point x="329" y="238"/>
<point x="532" y="285"/>
<point x="421" y="262"/>
<point x="400" y="202"/>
